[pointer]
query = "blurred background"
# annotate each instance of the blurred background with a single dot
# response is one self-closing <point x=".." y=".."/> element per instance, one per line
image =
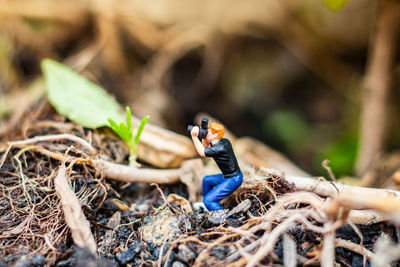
<point x="313" y="79"/>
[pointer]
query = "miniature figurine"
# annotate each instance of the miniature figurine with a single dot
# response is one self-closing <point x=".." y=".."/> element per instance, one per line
<point x="209" y="142"/>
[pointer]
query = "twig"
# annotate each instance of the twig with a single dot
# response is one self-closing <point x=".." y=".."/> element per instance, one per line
<point x="270" y="240"/>
<point x="327" y="189"/>
<point x="358" y="232"/>
<point x="131" y="174"/>
<point x="357" y="248"/>
<point x="76" y="220"/>
<point x="111" y="170"/>
<point x="387" y="205"/>
<point x="160" y="256"/>
<point x="71" y="137"/>
<point x="125" y="224"/>
<point x="165" y="199"/>
<point x="204" y="253"/>
<point x="328" y="169"/>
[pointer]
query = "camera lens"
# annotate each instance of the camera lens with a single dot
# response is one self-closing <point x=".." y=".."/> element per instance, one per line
<point x="204" y="123"/>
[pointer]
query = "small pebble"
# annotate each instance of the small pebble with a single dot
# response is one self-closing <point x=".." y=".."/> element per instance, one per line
<point x="155" y="253"/>
<point x="12" y="257"/>
<point x="34" y="260"/>
<point x="217" y="217"/>
<point x="185" y="254"/>
<point x="145" y="255"/>
<point x="170" y="260"/>
<point x="187" y="222"/>
<point x="219" y="252"/>
<point x="178" y="264"/>
<point x="38" y="260"/>
<point x="68" y="262"/>
<point x="128" y="255"/>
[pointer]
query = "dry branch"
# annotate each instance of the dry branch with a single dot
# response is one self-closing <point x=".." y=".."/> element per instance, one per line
<point x="331" y="189"/>
<point x="190" y="173"/>
<point x="354" y="247"/>
<point x="387" y="207"/>
<point x="57" y="137"/>
<point x="74" y="217"/>
<point x="132" y="174"/>
<point x="366" y="217"/>
<point x="377" y="83"/>
<point x="377" y="204"/>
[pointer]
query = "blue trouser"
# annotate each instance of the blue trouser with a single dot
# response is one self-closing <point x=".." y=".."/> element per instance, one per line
<point x="216" y="188"/>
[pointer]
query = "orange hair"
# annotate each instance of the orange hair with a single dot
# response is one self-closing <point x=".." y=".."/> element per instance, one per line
<point x="218" y="129"/>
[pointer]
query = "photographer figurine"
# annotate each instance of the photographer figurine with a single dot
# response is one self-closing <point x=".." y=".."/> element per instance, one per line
<point x="219" y="186"/>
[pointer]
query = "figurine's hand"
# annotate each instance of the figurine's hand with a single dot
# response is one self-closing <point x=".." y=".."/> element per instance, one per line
<point x="195" y="131"/>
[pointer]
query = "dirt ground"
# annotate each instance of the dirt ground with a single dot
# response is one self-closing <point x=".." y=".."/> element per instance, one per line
<point x="141" y="224"/>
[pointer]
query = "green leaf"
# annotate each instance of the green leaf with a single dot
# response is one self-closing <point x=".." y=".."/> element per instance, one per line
<point x="335" y="5"/>
<point x="113" y="125"/>
<point x="77" y="98"/>
<point x="125" y="132"/>
<point x="128" y="119"/>
<point x="116" y="128"/>
<point x="140" y="129"/>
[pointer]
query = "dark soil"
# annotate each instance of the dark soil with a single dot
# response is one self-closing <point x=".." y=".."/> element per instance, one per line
<point x="126" y="245"/>
<point x="141" y="253"/>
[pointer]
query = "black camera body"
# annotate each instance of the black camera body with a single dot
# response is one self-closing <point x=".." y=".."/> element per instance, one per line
<point x="203" y="128"/>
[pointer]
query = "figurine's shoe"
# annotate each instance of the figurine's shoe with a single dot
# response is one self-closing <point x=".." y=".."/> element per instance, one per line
<point x="218" y="216"/>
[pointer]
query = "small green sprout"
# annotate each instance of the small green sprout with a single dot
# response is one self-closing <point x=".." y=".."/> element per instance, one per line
<point x="126" y="133"/>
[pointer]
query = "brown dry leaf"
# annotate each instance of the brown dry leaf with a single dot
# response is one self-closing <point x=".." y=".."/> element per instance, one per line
<point x="181" y="201"/>
<point x="115" y="220"/>
<point x="120" y="204"/>
<point x="315" y="255"/>
<point x="163" y="148"/>
<point x="107" y="240"/>
<point x="74" y="217"/>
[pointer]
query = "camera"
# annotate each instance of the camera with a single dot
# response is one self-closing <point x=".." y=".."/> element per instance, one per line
<point x="203" y="128"/>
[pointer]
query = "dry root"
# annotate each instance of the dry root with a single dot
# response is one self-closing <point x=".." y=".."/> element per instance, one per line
<point x="31" y="215"/>
<point x="254" y="243"/>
